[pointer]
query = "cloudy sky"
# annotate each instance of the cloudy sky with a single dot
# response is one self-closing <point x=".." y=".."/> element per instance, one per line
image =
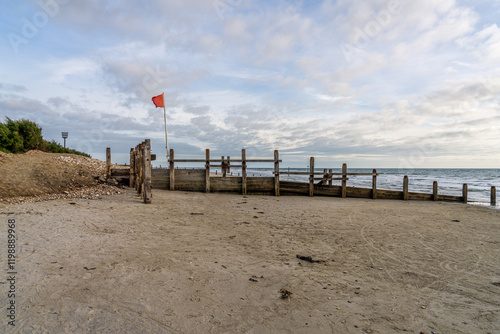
<point x="373" y="83"/>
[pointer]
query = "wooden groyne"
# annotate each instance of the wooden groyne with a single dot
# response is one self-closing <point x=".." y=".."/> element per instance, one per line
<point x="142" y="177"/>
<point x="140" y="170"/>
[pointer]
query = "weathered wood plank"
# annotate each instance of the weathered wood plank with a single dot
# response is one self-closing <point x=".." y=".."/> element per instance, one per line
<point x="225" y="184"/>
<point x="327" y="190"/>
<point x="464" y="193"/>
<point x="261" y="185"/>
<point x="207" y="170"/>
<point x="147" y="172"/>
<point x="131" y="169"/>
<point x="291" y="187"/>
<point x="420" y="196"/>
<point x="120" y="172"/>
<point x="311" y="177"/>
<point x="389" y="194"/>
<point x="172" y="170"/>
<point x="374" y="184"/>
<point x="276" y="173"/>
<point x="344" y="181"/>
<point x="450" y="198"/>
<point x="243" y="172"/>
<point x="358" y="192"/>
<point x="493" y="196"/>
<point x="435" y="195"/>
<point x="405" y="188"/>
<point x="108" y="162"/>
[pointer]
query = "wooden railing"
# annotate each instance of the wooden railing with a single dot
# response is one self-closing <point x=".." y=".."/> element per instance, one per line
<point x="328" y="176"/>
<point x="225" y="163"/>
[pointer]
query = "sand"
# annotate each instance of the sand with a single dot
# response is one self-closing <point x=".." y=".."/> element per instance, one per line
<point x="214" y="263"/>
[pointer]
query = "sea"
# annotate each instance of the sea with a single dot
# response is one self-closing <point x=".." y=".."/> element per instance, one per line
<point x="450" y="181"/>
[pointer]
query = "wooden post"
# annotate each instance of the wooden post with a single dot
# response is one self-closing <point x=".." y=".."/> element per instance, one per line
<point x="344" y="180"/>
<point x="172" y="171"/>
<point x="132" y="174"/>
<point x="374" y="184"/>
<point x="276" y="173"/>
<point x="136" y="166"/>
<point x="493" y="199"/>
<point x="311" y="177"/>
<point x="435" y="191"/>
<point x="325" y="176"/>
<point x="140" y="163"/>
<point x="330" y="181"/>
<point x="229" y="164"/>
<point x="243" y="172"/>
<point x="207" y="171"/>
<point x="108" y="163"/>
<point x="405" y="188"/>
<point x="146" y="195"/>
<point x="223" y="166"/>
<point x="464" y="192"/>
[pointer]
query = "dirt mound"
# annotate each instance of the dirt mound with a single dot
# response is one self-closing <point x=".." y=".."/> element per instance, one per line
<point x="38" y="173"/>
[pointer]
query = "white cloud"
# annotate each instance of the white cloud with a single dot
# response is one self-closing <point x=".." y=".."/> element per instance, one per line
<point x="268" y="75"/>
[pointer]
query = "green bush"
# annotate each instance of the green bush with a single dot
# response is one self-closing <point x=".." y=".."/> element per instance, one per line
<point x="23" y="135"/>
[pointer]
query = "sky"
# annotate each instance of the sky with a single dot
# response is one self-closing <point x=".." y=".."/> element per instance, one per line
<point x="370" y="83"/>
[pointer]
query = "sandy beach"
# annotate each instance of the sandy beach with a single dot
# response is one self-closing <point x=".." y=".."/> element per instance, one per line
<point x="215" y="263"/>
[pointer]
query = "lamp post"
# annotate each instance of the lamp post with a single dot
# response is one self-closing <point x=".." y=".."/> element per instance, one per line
<point x="64" y="135"/>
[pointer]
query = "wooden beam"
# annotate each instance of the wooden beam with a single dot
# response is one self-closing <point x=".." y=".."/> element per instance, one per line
<point x="132" y="174"/>
<point x="333" y="178"/>
<point x="147" y="172"/>
<point x="228" y="164"/>
<point x="108" y="162"/>
<point x="344" y="180"/>
<point x="136" y="165"/>
<point x="374" y="184"/>
<point x="330" y="174"/>
<point x="435" y="195"/>
<point x="311" y="177"/>
<point x="276" y="173"/>
<point x="139" y="168"/>
<point x="223" y="167"/>
<point x="172" y="170"/>
<point x="243" y="172"/>
<point x="405" y="188"/>
<point x="493" y="197"/>
<point x="207" y="171"/>
<point x="464" y="193"/>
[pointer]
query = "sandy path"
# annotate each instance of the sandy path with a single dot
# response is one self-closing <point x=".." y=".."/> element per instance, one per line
<point x="197" y="263"/>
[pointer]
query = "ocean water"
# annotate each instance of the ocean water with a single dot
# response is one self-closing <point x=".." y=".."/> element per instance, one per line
<point x="450" y="181"/>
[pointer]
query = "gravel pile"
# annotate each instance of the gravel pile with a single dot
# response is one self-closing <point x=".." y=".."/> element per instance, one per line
<point x="95" y="167"/>
<point x="38" y="176"/>
<point x="95" y="192"/>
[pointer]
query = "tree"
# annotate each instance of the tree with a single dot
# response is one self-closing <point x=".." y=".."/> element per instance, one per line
<point x="23" y="135"/>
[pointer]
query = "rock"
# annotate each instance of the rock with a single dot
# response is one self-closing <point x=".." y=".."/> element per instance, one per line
<point x="112" y="182"/>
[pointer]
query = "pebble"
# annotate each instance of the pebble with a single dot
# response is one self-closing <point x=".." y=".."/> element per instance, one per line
<point x="93" y="193"/>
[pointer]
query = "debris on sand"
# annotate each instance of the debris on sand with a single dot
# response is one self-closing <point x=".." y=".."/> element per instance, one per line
<point x="285" y="294"/>
<point x="309" y="259"/>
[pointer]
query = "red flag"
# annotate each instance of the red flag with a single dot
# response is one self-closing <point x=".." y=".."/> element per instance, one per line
<point x="158" y="101"/>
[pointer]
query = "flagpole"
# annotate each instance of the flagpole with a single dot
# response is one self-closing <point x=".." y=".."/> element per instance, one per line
<point x="166" y="136"/>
